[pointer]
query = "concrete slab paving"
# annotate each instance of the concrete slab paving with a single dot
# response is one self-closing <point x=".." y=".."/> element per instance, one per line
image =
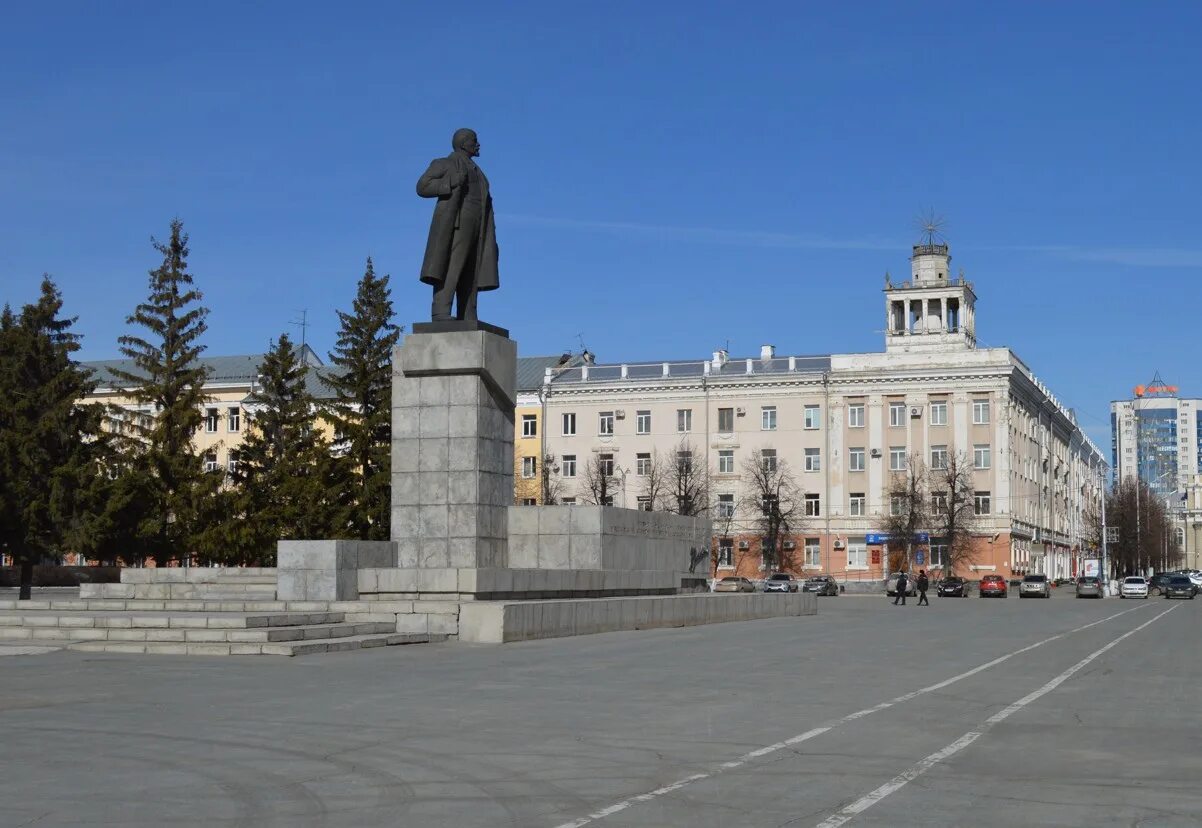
<point x="564" y="731"/>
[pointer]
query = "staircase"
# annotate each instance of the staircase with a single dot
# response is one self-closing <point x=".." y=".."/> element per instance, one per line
<point x="205" y="612"/>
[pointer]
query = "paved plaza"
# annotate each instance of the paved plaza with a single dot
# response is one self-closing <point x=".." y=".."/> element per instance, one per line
<point x="969" y="712"/>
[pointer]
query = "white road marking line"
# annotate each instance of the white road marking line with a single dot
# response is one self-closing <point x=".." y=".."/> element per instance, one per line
<point x="818" y="731"/>
<point x="918" y="769"/>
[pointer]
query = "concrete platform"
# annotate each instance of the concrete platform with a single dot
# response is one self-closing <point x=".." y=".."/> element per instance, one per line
<point x="496" y="622"/>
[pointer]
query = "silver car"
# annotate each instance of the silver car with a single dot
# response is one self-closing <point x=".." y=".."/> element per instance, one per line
<point x="911" y="584"/>
<point x="1035" y="586"/>
<point x="1089" y="586"/>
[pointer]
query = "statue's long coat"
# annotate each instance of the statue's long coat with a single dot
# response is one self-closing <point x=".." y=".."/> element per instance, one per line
<point x="436" y="182"/>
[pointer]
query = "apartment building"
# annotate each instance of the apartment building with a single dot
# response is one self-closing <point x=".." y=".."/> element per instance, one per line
<point x="845" y="424"/>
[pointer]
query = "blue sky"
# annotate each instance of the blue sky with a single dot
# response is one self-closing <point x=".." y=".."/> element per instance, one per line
<point x="668" y="177"/>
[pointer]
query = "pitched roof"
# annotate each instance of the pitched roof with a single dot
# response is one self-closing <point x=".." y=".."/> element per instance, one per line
<point x="222" y="369"/>
<point x="531" y="370"/>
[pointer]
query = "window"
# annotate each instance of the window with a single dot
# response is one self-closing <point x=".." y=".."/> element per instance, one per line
<point x="980" y="412"/>
<point x="980" y="456"/>
<point x="897" y="458"/>
<point x="811" y="417"/>
<point x="981" y="503"/>
<point x="856" y="504"/>
<point x="529" y="501"/>
<point x="855" y="459"/>
<point x="568" y="501"/>
<point x="938" y="457"/>
<point x="606" y="462"/>
<point x="939" y="413"/>
<point x="211" y="459"/>
<point x="726" y="552"/>
<point x="232" y="463"/>
<point x="684" y="419"/>
<point x="939" y="554"/>
<point x="568" y="467"/>
<point x="211" y="420"/>
<point x="642" y="464"/>
<point x="813" y="459"/>
<point x="608" y="500"/>
<point x="605" y="423"/>
<point x="768" y="418"/>
<point x="939" y="502"/>
<point x="897" y="505"/>
<point x="897" y="414"/>
<point x="768" y="458"/>
<point x="813" y="504"/>
<point x="726" y="420"/>
<point x="726" y="505"/>
<point x="684" y="461"/>
<point x="642" y="422"/>
<point x="529" y="467"/>
<point x="726" y="461"/>
<point x="855" y="415"/>
<point x="857" y="554"/>
<point x="813" y="552"/>
<point x="769" y="503"/>
<point x="644" y="503"/>
<point x="233" y="421"/>
<point x="529" y="425"/>
<point x="569" y="425"/>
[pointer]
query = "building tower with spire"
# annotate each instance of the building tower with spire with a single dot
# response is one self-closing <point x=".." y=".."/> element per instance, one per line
<point x="933" y="311"/>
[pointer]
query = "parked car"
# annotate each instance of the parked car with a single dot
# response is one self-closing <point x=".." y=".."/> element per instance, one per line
<point x="780" y="582"/>
<point x="953" y="588"/>
<point x="1194" y="576"/>
<point x="994" y="585"/>
<point x="1157" y="582"/>
<point x="1035" y="586"/>
<point x="911" y="584"/>
<point x="1134" y="586"/>
<point x="1089" y="585"/>
<point x="733" y="584"/>
<point x="821" y="584"/>
<point x="1179" y="586"/>
<point x="1062" y="582"/>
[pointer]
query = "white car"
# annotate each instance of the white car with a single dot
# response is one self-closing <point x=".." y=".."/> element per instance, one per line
<point x="1134" y="587"/>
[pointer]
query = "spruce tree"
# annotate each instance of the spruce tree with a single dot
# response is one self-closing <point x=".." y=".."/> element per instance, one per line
<point x="50" y="443"/>
<point x="361" y="407"/>
<point x="281" y="483"/>
<point x="169" y="377"/>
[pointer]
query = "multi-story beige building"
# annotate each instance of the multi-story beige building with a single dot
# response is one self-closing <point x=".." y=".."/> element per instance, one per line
<point x="846" y="424"/>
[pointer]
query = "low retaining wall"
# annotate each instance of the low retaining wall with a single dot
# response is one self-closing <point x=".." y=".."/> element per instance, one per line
<point x="496" y="622"/>
<point x="62" y="576"/>
<point x="513" y="584"/>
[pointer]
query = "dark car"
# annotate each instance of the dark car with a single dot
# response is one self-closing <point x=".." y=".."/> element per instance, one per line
<point x="1090" y="585"/>
<point x="1157" y="582"/>
<point x="780" y="582"/>
<point x="1179" y="586"/>
<point x="953" y="588"/>
<point x="994" y="585"/>
<point x="821" y="584"/>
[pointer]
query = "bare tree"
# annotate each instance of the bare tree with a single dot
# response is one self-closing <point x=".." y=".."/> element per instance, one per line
<point x="656" y="481"/>
<point x="907" y="512"/>
<point x="599" y="480"/>
<point x="953" y="509"/>
<point x="774" y="504"/>
<point x="688" y="483"/>
<point x="551" y="482"/>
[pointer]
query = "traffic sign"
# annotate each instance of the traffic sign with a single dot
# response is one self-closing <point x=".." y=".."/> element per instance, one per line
<point x="1112" y="534"/>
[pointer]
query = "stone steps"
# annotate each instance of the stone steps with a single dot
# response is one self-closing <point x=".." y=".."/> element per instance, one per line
<point x="179" y="605"/>
<point x="141" y="620"/>
<point x="277" y="648"/>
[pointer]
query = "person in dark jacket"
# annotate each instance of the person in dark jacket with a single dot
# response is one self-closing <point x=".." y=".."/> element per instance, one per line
<point x="902" y="585"/>
<point x="923" y="584"/>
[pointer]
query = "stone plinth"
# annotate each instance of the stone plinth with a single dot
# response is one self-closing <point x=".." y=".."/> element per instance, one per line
<point x="327" y="570"/>
<point x="452" y="448"/>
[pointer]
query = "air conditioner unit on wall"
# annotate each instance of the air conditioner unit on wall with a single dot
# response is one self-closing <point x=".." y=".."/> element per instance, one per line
<point x="876" y="452"/>
<point x="744" y="545"/>
<point x="838" y="544"/>
<point x="740" y="411"/>
<point x="916" y="412"/>
<point x="621" y="415"/>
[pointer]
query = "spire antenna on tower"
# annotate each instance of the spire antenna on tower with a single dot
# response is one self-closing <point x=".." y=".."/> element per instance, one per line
<point x="931" y="227"/>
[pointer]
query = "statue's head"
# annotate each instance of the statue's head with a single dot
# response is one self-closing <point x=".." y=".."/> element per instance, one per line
<point x="465" y="140"/>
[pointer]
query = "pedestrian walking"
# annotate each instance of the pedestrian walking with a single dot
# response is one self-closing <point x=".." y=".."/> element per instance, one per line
<point x="902" y="585"/>
<point x="923" y="584"/>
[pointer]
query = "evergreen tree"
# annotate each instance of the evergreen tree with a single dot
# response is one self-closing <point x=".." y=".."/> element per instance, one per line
<point x="361" y="408"/>
<point x="170" y="378"/>
<point x="50" y="443"/>
<point x="282" y="479"/>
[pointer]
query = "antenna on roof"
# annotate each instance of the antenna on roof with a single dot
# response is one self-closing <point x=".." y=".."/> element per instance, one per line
<point x="303" y="324"/>
<point x="931" y="226"/>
